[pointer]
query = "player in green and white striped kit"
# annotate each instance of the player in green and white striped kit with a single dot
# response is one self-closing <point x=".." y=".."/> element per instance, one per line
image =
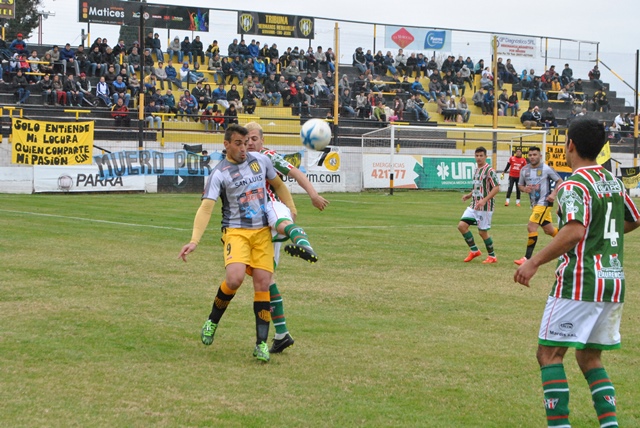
<point x="584" y="308"/>
<point x="479" y="212"/>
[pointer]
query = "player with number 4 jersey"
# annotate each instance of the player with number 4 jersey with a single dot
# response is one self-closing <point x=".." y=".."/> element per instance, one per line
<point x="584" y="309"/>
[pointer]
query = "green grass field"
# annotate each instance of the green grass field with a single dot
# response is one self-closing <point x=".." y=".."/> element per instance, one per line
<point x="100" y="322"/>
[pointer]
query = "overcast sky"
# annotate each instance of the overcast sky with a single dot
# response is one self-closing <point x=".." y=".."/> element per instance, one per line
<point x="616" y="28"/>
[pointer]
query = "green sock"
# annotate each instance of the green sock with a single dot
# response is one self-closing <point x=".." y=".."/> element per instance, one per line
<point x="277" y="312"/>
<point x="468" y="237"/>
<point x="489" y="244"/>
<point x="297" y="235"/>
<point x="603" y="395"/>
<point x="556" y="395"/>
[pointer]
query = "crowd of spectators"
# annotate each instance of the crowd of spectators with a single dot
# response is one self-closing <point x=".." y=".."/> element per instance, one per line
<point x="297" y="77"/>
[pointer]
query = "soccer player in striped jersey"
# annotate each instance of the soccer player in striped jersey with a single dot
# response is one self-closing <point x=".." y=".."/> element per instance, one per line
<point x="479" y="212"/>
<point x="584" y="308"/>
<point x="240" y="182"/>
<point x="283" y="229"/>
<point x="536" y="179"/>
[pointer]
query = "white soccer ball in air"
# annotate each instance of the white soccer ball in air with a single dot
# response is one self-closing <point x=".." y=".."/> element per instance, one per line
<point x="315" y="134"/>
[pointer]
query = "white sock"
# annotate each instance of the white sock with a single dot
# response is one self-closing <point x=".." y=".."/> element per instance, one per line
<point x="517" y="201"/>
<point x="280" y="336"/>
<point x="507" y="201"/>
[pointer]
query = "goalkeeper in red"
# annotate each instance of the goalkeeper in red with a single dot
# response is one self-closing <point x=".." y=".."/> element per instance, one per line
<point x="479" y="212"/>
<point x="584" y="308"/>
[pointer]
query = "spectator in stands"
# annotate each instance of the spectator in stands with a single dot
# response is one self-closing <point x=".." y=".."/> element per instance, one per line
<point x="321" y="59"/>
<point x="478" y="98"/>
<point x="160" y="73"/>
<point x="206" y="118"/>
<point x="172" y="74"/>
<point x="197" y="49"/>
<point x="20" y="86"/>
<point x="212" y="50"/>
<point x="147" y="62"/>
<point x="68" y="57"/>
<point x="84" y="86"/>
<point x="401" y="62"/>
<point x="567" y="75"/>
<point x="239" y="68"/>
<point x="535" y="112"/>
<point x="435" y="89"/>
<point x="97" y="42"/>
<point x="292" y="71"/>
<point x="479" y="67"/>
<point x="105" y="44"/>
<point x="303" y="103"/>
<point x="513" y="105"/>
<point x="272" y="91"/>
<point x="187" y="106"/>
<point x="60" y="94"/>
<point x="527" y="118"/>
<point x="102" y="91"/>
<point x="186" y="75"/>
<point x="577" y="90"/>
<point x="512" y="74"/>
<point x="594" y="76"/>
<point x="220" y="96"/>
<point x="120" y="91"/>
<point x="149" y="117"/>
<point x="46" y="86"/>
<point x="156" y="46"/>
<point x="465" y="75"/>
<point x="565" y="96"/>
<point x="486" y="79"/>
<point x="134" y="61"/>
<point x="441" y="103"/>
<point x="389" y="63"/>
<point x="74" y="95"/>
<point x="150" y="81"/>
<point x="273" y="52"/>
<point x="120" y="114"/>
<point x="487" y="106"/>
<point x="112" y="60"/>
<point x="254" y="49"/>
<point x="215" y="66"/>
<point x="398" y="108"/>
<point x="46" y="64"/>
<point x="363" y="107"/>
<point x="320" y="86"/>
<point x="503" y="74"/>
<point x="413" y="106"/>
<point x="54" y="52"/>
<point x="174" y="48"/>
<point x="379" y="113"/>
<point x="503" y="102"/>
<point x="185" y="49"/>
<point x="34" y="67"/>
<point x="82" y="60"/>
<point x="285" y="91"/>
<point x="260" y="69"/>
<point x="243" y="50"/>
<point x="310" y="60"/>
<point x="249" y="100"/>
<point x="359" y="61"/>
<point x="417" y="88"/>
<point x="600" y="101"/>
<point x="118" y="49"/>
<point x="344" y="103"/>
<point x="19" y="46"/>
<point x="232" y="50"/>
<point x="548" y="119"/>
<point x="463" y="109"/>
<point x="200" y="94"/>
<point x="231" y="115"/>
<point x="170" y="102"/>
<point x="133" y="84"/>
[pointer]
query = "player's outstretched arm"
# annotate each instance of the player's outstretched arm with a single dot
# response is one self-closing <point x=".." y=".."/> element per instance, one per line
<point x="199" y="226"/>
<point x="566" y="239"/>
<point x="318" y="201"/>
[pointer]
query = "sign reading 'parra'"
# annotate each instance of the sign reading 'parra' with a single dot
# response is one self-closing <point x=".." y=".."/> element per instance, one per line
<point x="271" y="24"/>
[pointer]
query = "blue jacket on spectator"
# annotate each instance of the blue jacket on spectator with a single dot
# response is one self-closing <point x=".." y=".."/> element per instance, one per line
<point x="254" y="51"/>
<point x="67" y="54"/>
<point x="171" y="72"/>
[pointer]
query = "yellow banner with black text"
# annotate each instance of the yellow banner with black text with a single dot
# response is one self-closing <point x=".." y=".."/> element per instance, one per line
<point x="51" y="143"/>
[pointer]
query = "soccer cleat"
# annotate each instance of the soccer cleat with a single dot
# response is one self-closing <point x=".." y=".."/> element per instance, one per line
<point x="208" y="330"/>
<point x="489" y="260"/>
<point x="506" y="204"/>
<point x="280" y="345"/>
<point x="261" y="352"/>
<point x="303" y="251"/>
<point x="518" y="204"/>
<point x="521" y="261"/>
<point x="472" y="255"/>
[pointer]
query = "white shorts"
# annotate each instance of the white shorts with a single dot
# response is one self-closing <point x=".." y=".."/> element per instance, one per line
<point x="482" y="219"/>
<point x="580" y="325"/>
<point x="281" y="212"/>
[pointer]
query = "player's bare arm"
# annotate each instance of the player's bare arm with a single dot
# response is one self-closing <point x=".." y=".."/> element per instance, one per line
<point x="552" y="195"/>
<point x="566" y="239"/>
<point x="318" y="201"/>
<point x="630" y="226"/>
<point x="487" y="198"/>
<point x="466" y="196"/>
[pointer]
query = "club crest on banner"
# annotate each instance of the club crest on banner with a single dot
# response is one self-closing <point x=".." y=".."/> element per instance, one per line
<point x="306" y="26"/>
<point x="246" y="22"/>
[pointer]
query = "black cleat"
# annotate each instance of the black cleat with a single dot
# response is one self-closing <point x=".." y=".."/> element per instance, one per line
<point x="303" y="251"/>
<point x="280" y="345"/>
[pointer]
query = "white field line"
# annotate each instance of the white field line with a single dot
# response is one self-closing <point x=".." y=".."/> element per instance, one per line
<point x="118" y="223"/>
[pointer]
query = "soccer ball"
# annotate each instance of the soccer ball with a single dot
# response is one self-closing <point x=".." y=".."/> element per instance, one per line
<point x="315" y="134"/>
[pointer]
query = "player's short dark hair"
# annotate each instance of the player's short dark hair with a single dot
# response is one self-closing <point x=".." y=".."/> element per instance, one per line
<point x="481" y="150"/>
<point x="234" y="128"/>
<point x="588" y="135"/>
<point x="534" y="149"/>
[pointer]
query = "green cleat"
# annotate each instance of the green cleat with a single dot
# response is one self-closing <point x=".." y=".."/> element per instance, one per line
<point x="208" y="330"/>
<point x="262" y="352"/>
